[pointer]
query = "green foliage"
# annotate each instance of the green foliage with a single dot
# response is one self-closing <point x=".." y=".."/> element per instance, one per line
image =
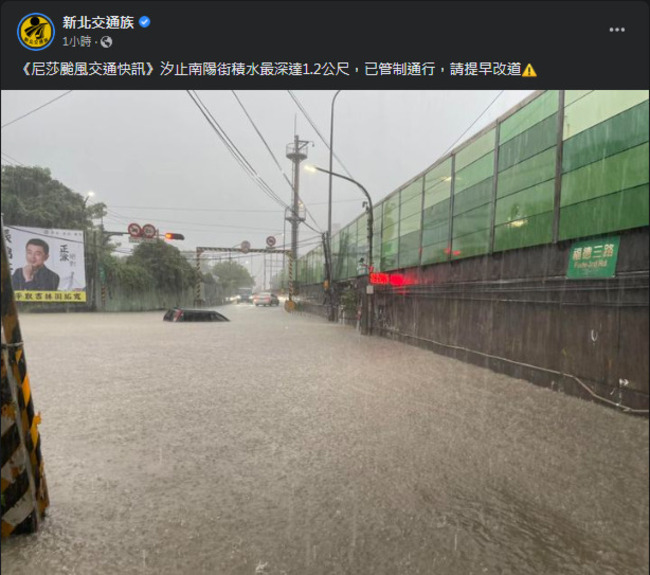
<point x="349" y="300"/>
<point x="232" y="276"/>
<point x="208" y="279"/>
<point x="169" y="270"/>
<point x="126" y="274"/>
<point x="30" y="197"/>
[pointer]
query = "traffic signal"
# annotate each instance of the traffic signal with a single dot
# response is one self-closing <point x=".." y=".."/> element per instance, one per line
<point x="169" y="236"/>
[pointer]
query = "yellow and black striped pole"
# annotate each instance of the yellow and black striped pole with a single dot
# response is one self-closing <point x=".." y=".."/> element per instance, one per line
<point x="290" y="276"/>
<point x="24" y="489"/>
<point x="197" y="287"/>
<point x="290" y="305"/>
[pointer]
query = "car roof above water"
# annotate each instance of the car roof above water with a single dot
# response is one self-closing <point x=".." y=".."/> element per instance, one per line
<point x="178" y="314"/>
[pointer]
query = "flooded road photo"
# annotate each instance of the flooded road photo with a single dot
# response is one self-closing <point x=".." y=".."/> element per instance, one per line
<point x="283" y="444"/>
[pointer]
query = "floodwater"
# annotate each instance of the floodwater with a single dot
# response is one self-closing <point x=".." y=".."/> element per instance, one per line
<point x="282" y="444"/>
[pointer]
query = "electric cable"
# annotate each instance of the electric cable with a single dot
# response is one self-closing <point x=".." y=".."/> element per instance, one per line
<point x="199" y="224"/>
<point x="178" y="209"/>
<point x="262" y="138"/>
<point x="13" y="161"/>
<point x="271" y="152"/>
<point x="234" y="151"/>
<point x="474" y="122"/>
<point x="35" y="110"/>
<point x="313" y="125"/>
<point x="241" y="159"/>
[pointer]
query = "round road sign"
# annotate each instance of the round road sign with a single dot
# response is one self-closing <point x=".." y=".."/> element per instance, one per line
<point x="245" y="246"/>
<point x="270" y="241"/>
<point x="135" y="231"/>
<point x="149" y="231"/>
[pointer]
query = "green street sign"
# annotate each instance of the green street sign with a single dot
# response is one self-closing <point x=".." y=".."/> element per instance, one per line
<point x="593" y="259"/>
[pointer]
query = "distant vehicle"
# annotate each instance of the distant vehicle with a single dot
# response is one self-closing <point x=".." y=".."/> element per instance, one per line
<point x="244" y="295"/>
<point x="183" y="314"/>
<point x="266" y="298"/>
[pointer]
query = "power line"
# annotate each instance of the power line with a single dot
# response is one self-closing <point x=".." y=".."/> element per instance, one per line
<point x="312" y="219"/>
<point x="306" y="115"/>
<point x="12" y="161"/>
<point x="237" y="232"/>
<point x="198" y="209"/>
<point x="471" y="125"/>
<point x="313" y="125"/>
<point x="113" y="214"/>
<point x="247" y="166"/>
<point x="119" y="251"/>
<point x="337" y="202"/>
<point x="262" y="138"/>
<point x="35" y="110"/>
<point x="239" y="157"/>
<point x="272" y="155"/>
<point x="234" y="151"/>
<point x="184" y="209"/>
<point x="474" y="122"/>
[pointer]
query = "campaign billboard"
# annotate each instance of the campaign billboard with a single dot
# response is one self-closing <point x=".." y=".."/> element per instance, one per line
<point x="46" y="265"/>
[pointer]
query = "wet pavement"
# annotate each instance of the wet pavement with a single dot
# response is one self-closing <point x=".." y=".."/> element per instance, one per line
<point x="282" y="444"/>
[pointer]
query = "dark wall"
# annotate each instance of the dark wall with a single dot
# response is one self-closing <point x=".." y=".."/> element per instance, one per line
<point x="517" y="307"/>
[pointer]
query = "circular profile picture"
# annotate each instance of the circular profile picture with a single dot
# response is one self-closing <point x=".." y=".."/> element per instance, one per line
<point x="36" y="31"/>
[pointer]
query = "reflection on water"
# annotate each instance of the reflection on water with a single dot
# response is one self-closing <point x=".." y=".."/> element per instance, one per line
<point x="283" y="444"/>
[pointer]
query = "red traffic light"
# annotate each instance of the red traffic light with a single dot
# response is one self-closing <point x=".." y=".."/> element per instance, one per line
<point x="169" y="236"/>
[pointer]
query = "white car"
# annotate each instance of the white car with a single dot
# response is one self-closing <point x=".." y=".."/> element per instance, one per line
<point x="266" y="298"/>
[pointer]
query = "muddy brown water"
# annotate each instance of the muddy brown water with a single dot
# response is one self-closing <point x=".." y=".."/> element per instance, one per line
<point x="282" y="444"/>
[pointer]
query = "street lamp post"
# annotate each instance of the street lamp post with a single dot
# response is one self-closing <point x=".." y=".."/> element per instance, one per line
<point x="329" y="211"/>
<point x="370" y="225"/>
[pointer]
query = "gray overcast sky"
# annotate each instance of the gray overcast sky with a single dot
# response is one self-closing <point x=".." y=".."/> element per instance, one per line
<point x="153" y="158"/>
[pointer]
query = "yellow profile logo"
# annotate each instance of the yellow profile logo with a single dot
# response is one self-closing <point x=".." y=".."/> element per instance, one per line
<point x="36" y="31"/>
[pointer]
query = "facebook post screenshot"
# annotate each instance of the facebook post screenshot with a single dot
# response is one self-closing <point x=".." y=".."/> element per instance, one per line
<point x="416" y="237"/>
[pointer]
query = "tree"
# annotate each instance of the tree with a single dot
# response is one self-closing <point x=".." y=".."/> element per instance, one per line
<point x="232" y="276"/>
<point x="165" y="264"/>
<point x="30" y="197"/>
<point x="127" y="275"/>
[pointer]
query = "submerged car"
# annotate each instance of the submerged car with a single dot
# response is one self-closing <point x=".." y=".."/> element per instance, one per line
<point x="185" y="314"/>
<point x="266" y="298"/>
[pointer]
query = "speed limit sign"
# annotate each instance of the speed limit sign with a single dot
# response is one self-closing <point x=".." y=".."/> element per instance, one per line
<point x="135" y="231"/>
<point x="270" y="241"/>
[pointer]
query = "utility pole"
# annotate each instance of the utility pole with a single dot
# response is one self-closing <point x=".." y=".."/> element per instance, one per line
<point x="296" y="152"/>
